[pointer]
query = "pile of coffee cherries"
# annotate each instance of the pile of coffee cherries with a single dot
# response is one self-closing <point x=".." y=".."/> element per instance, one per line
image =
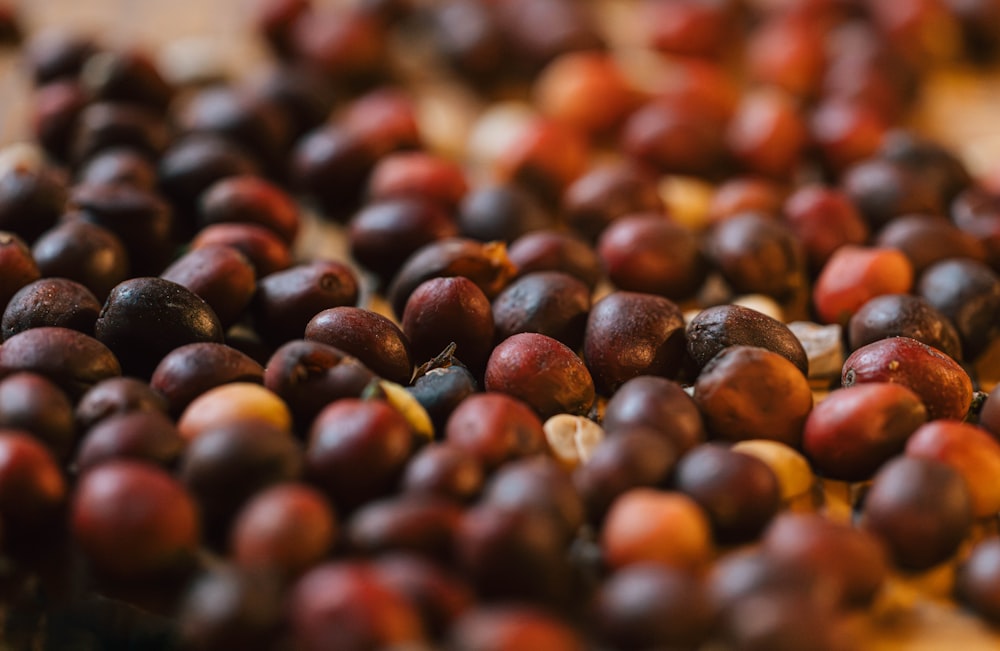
<point x="560" y="390"/>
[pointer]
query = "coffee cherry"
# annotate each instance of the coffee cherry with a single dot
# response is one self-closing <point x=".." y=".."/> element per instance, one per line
<point x="133" y="520"/>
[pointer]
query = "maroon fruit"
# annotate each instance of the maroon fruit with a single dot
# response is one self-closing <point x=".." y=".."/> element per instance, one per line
<point x="855" y="430"/>
<point x="942" y="385"/>
<point x="133" y="520"/>
<point x="630" y="334"/>
<point x="544" y="373"/>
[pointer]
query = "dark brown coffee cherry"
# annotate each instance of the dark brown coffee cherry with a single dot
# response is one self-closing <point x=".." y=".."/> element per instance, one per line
<point x="513" y="554"/>
<point x="634" y="458"/>
<point x="56" y="54"/>
<point x="758" y="254"/>
<point x="287" y="528"/>
<point x="853" y="559"/>
<point x="287" y="300"/>
<point x="440" y="596"/>
<point x="649" y="253"/>
<point x="331" y="164"/>
<point x="551" y="303"/>
<point x="69" y="358"/>
<point x="250" y="199"/>
<point x="357" y="451"/>
<point x="128" y="75"/>
<point x="968" y="293"/>
<point x="414" y="524"/>
<point x="230" y="607"/>
<point x="630" y="334"/>
<point x="903" y="315"/>
<point x="87" y="253"/>
<point x="444" y="470"/>
<point x="927" y="239"/>
<point x="719" y="327"/>
<point x="385" y="233"/>
<point x="486" y="265"/>
<point x="51" y="302"/>
<point x="937" y="168"/>
<point x="147" y="436"/>
<point x="552" y="250"/>
<point x="747" y="392"/>
<point x="188" y="371"/>
<point x="309" y="375"/>
<point x="32" y="197"/>
<point x="658" y="405"/>
<point x="117" y="395"/>
<point x="193" y="164"/>
<point x="17" y="267"/>
<point x="146" y="318"/>
<point x="221" y="275"/>
<point x="977" y="580"/>
<point x="265" y="250"/>
<point x="33" y="403"/>
<point x="103" y="126"/>
<point x="740" y="493"/>
<point x="224" y="466"/>
<point x="606" y="193"/>
<point x="538" y="484"/>
<point x="882" y="189"/>
<point x="346" y="597"/>
<point x="441" y="311"/>
<point x="500" y="212"/>
<point x="119" y="165"/>
<point x="236" y="115"/>
<point x="370" y="337"/>
<point x="921" y="509"/>
<point x="32" y="488"/>
<point x="142" y="221"/>
<point x="507" y="627"/>
<point x="646" y="606"/>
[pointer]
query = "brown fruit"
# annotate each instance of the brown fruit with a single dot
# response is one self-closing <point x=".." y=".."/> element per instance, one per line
<point x="752" y="393"/>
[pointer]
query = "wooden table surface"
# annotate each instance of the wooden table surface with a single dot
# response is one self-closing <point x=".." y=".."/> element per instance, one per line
<point x="960" y="110"/>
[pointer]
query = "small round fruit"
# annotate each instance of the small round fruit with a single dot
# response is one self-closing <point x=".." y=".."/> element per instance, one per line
<point x="739" y="493"/>
<point x="132" y="519"/>
<point x="343" y="606"/>
<point x="495" y="428"/>
<point x="237" y="401"/>
<point x="752" y="393"/>
<point x="855" y="430"/>
<point x="543" y="372"/>
<point x="968" y="449"/>
<point x="647" y="525"/>
<point x="977" y="583"/>
<point x="357" y="450"/>
<point x="630" y="334"/>
<point x="719" y="327"/>
<point x="943" y="386"/>
<point x="921" y="509"/>
<point x="289" y="528"/>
